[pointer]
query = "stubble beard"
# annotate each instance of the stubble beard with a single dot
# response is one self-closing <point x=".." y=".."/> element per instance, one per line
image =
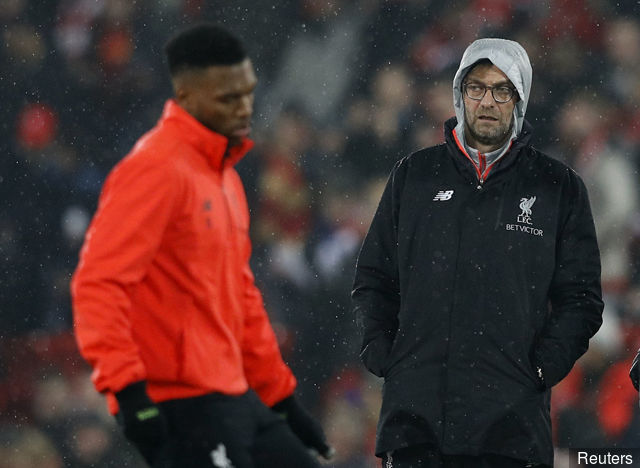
<point x="491" y="137"/>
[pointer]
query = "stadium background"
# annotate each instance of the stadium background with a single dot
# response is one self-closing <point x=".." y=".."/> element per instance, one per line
<point x="346" y="88"/>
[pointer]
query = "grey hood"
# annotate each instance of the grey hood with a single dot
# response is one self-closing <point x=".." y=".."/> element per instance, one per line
<point x="511" y="58"/>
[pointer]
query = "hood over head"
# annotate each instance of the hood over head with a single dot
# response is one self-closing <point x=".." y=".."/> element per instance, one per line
<point x="511" y="58"/>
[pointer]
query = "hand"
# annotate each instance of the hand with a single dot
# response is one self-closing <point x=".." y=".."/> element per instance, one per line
<point x="304" y="426"/>
<point x="142" y="421"/>
<point x="634" y="373"/>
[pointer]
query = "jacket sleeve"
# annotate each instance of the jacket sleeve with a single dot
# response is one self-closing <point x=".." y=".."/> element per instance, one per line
<point x="265" y="370"/>
<point x="376" y="290"/>
<point x="134" y="208"/>
<point x="575" y="292"/>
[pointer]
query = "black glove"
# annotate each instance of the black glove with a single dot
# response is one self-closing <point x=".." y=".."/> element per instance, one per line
<point x="634" y="372"/>
<point x="142" y="420"/>
<point x="304" y="426"/>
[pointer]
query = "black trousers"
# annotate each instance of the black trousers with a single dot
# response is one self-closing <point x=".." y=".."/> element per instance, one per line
<point x="421" y="456"/>
<point x="225" y="431"/>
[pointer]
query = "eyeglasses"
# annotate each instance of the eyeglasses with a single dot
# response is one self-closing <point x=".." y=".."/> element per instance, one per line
<point x="477" y="91"/>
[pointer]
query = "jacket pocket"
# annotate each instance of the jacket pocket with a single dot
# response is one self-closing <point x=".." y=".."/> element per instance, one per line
<point x="537" y="369"/>
<point x="375" y="355"/>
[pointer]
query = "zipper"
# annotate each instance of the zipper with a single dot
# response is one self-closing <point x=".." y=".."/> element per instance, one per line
<point x="482" y="167"/>
<point x="500" y="207"/>
<point x="481" y="158"/>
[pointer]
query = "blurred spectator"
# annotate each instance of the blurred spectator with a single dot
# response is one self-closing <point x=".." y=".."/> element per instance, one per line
<point x="433" y="106"/>
<point x="26" y="447"/>
<point x="585" y="134"/>
<point x="36" y="127"/>
<point x="320" y="62"/>
<point x="378" y="125"/>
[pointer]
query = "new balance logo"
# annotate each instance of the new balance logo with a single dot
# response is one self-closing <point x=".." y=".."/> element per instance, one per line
<point x="219" y="457"/>
<point x="443" y="195"/>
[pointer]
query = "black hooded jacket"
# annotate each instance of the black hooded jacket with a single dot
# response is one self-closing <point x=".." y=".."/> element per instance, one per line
<point x="463" y="290"/>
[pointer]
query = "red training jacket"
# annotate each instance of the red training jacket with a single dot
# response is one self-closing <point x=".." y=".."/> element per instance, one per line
<point x="163" y="290"/>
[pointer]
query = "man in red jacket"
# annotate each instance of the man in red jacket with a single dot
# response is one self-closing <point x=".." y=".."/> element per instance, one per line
<point x="165" y="306"/>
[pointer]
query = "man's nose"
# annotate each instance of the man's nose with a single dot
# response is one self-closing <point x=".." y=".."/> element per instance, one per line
<point x="245" y="108"/>
<point x="488" y="100"/>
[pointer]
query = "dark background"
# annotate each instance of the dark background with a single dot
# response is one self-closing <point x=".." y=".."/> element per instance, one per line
<point x="346" y="88"/>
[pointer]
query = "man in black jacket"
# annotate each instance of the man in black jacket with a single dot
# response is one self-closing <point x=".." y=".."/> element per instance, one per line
<point x="478" y="284"/>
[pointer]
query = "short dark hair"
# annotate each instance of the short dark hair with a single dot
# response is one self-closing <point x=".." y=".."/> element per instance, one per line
<point x="202" y="46"/>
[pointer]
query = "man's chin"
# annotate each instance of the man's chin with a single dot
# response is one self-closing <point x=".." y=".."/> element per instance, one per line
<point x="235" y="141"/>
<point x="237" y="137"/>
<point x="489" y="138"/>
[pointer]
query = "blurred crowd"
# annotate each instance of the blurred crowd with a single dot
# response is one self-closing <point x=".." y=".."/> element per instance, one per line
<point x="347" y="87"/>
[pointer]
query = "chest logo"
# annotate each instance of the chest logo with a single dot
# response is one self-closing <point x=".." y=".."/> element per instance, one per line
<point x="443" y="195"/>
<point x="525" y="222"/>
<point x="206" y="207"/>
<point x="525" y="206"/>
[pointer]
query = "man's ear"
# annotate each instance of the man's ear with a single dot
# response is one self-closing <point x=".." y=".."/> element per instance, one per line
<point x="183" y="93"/>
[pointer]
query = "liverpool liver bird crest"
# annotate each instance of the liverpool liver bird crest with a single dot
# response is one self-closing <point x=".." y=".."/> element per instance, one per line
<point x="525" y="206"/>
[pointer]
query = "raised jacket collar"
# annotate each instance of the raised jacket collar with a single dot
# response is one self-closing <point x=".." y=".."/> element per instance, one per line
<point x="465" y="163"/>
<point x="212" y="145"/>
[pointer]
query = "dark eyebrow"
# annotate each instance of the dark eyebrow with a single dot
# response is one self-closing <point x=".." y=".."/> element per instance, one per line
<point x="497" y="85"/>
<point x="235" y="93"/>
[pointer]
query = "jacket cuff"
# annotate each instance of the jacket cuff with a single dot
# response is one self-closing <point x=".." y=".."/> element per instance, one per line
<point x="285" y="405"/>
<point x="133" y="395"/>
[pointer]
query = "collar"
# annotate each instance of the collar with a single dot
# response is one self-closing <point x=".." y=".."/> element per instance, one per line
<point x="508" y="158"/>
<point x="482" y="162"/>
<point x="473" y="154"/>
<point x="212" y="145"/>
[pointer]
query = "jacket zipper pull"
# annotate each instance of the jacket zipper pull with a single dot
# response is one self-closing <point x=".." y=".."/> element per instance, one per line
<point x="482" y="160"/>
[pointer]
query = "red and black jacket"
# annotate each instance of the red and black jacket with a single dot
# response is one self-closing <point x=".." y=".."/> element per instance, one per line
<point x="163" y="291"/>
